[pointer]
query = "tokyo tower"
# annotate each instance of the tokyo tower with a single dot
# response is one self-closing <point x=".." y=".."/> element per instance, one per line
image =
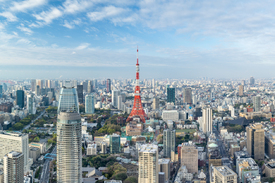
<point x="137" y="110"/>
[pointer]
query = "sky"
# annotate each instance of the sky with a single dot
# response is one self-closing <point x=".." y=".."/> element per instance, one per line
<point x="179" y="39"/>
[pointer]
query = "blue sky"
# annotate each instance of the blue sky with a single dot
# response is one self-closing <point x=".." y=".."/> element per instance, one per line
<point x="98" y="38"/>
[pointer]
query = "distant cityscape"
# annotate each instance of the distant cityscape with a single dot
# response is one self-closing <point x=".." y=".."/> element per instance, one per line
<point x="132" y="130"/>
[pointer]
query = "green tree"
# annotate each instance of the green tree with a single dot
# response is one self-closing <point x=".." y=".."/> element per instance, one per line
<point x="18" y="126"/>
<point x="36" y="139"/>
<point x="131" y="180"/>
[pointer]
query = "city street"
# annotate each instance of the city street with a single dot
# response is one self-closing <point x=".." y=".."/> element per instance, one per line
<point x="46" y="167"/>
<point x="28" y="126"/>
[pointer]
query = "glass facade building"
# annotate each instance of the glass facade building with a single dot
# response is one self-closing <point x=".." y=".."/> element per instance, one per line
<point x="115" y="143"/>
<point x="89" y="104"/>
<point x="171" y="95"/>
<point x="68" y="100"/>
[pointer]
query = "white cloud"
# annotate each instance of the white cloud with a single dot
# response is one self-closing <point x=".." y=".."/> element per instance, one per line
<point x="25" y="29"/>
<point x="48" y="16"/>
<point x="71" y="25"/>
<point x="73" y="6"/>
<point x="68" y="25"/>
<point x="83" y="46"/>
<point x="106" y="12"/>
<point x="9" y="16"/>
<point x="27" y="4"/>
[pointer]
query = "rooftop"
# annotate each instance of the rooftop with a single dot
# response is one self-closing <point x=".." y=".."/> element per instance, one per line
<point x="224" y="170"/>
<point x="148" y="148"/>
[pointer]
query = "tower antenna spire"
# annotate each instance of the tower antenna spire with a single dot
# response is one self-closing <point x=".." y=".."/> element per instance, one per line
<point x="137" y="110"/>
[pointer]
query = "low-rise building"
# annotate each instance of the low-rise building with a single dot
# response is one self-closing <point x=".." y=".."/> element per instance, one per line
<point x="270" y="168"/>
<point x="133" y="128"/>
<point x="34" y="153"/>
<point x="246" y="165"/>
<point x="223" y="174"/>
<point x="91" y="149"/>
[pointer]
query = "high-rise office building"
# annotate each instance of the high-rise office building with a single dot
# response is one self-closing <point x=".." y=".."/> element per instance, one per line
<point x="243" y="82"/>
<point x="69" y="151"/>
<point x="94" y="84"/>
<point x="241" y="88"/>
<point x="187" y="95"/>
<point x="207" y="120"/>
<point x="255" y="141"/>
<point x="20" y="98"/>
<point x="1" y="90"/>
<point x="31" y="104"/>
<point x="108" y="86"/>
<point x="39" y="83"/>
<point x="169" y="142"/>
<point x="115" y="94"/>
<point x="155" y="103"/>
<point x="89" y="104"/>
<point x="252" y="81"/>
<point x="189" y="157"/>
<point x="37" y="90"/>
<point x="33" y="84"/>
<point x="119" y="102"/>
<point x="5" y="87"/>
<point x="14" y="167"/>
<point x="14" y="142"/>
<point x="171" y="95"/>
<point x="148" y="169"/>
<point x="115" y="143"/>
<point x="80" y="93"/>
<point x="68" y="100"/>
<point x="257" y="103"/>
<point x="89" y="87"/>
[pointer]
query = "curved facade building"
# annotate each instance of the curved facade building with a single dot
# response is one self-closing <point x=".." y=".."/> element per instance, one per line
<point x="69" y="155"/>
<point x="69" y="152"/>
<point x="68" y="100"/>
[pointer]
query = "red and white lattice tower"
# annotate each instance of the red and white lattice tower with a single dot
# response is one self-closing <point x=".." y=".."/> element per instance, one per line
<point x="137" y="110"/>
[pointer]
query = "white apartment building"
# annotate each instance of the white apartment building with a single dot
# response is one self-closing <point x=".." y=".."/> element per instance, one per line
<point x="170" y="115"/>
<point x="15" y="142"/>
<point x="148" y="170"/>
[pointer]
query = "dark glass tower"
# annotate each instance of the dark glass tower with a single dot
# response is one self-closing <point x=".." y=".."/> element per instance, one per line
<point x="20" y="98"/>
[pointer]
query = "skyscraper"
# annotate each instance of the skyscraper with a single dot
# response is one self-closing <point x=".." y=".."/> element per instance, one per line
<point x="1" y="90"/>
<point x="148" y="169"/>
<point x="207" y="120"/>
<point x="14" y="142"/>
<point x="169" y="138"/>
<point x="241" y="88"/>
<point x="37" y="90"/>
<point x="89" y="87"/>
<point x="33" y="84"/>
<point x="115" y="143"/>
<point x="255" y="141"/>
<point x="69" y="152"/>
<point x="68" y="100"/>
<point x="108" y="85"/>
<point x="115" y="94"/>
<point x="257" y="103"/>
<point x="187" y="95"/>
<point x="119" y="102"/>
<point x="31" y="104"/>
<point x="171" y="95"/>
<point x="80" y="93"/>
<point x="14" y="167"/>
<point x="252" y="81"/>
<point x="20" y="98"/>
<point x="89" y="104"/>
<point x="155" y="103"/>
